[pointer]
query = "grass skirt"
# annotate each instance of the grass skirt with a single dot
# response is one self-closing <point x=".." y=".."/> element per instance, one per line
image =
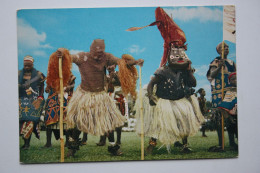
<point x="169" y="120"/>
<point x="93" y="112"/>
<point x="148" y="114"/>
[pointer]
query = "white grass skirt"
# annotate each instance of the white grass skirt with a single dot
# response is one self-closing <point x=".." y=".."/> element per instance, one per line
<point x="93" y="112"/>
<point x="169" y="120"/>
<point x="148" y="114"/>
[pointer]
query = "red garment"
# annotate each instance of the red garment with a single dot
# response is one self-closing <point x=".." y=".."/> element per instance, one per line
<point x="121" y="103"/>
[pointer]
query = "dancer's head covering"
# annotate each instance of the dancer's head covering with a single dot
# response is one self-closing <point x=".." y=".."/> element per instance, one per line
<point x="127" y="75"/>
<point x="97" y="45"/>
<point x="170" y="32"/>
<point x="28" y="58"/>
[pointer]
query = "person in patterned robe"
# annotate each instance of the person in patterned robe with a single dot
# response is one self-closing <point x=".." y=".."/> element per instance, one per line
<point x="31" y="100"/>
<point x="52" y="111"/>
<point x="229" y="108"/>
<point x="214" y="75"/>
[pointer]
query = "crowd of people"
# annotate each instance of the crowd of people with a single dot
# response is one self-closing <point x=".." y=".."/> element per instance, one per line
<point x="172" y="112"/>
<point x="89" y="109"/>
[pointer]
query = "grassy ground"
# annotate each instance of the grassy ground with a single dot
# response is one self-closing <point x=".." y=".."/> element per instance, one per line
<point x="130" y="147"/>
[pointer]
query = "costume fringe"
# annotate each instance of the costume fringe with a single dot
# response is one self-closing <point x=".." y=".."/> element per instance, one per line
<point x="170" y="121"/>
<point x="53" y="79"/>
<point x="148" y="113"/>
<point x="93" y="112"/>
<point x="128" y="76"/>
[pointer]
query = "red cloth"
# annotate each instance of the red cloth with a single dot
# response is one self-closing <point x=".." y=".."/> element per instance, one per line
<point x="121" y="103"/>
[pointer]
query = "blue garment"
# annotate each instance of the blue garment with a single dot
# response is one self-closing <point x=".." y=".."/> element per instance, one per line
<point x="216" y="83"/>
<point x="229" y="102"/>
<point x="27" y="111"/>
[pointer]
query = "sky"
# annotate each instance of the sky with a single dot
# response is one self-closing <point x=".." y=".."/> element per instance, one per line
<point x="42" y="31"/>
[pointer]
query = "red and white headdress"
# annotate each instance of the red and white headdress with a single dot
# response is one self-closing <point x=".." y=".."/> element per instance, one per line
<point x="28" y="58"/>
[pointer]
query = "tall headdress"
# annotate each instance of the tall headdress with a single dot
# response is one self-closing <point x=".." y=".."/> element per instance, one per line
<point x="170" y="32"/>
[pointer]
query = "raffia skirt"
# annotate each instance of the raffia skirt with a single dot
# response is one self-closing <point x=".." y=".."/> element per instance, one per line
<point x="169" y="120"/>
<point x="93" y="112"/>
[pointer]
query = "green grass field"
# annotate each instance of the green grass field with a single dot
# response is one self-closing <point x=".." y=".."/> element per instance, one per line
<point x="131" y="148"/>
